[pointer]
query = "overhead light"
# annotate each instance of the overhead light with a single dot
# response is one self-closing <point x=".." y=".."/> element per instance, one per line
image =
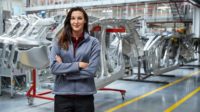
<point x="163" y="7"/>
<point x="107" y="11"/>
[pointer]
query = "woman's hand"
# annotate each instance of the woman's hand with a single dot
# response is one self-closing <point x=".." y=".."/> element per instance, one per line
<point x="83" y="65"/>
<point x="58" y="59"/>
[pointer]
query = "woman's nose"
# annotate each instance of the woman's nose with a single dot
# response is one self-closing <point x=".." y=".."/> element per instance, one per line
<point x="76" y="20"/>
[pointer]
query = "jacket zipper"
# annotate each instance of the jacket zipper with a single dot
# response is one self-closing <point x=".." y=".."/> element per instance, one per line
<point x="75" y="49"/>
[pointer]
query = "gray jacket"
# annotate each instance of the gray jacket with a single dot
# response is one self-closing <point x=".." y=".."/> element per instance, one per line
<point x="70" y="79"/>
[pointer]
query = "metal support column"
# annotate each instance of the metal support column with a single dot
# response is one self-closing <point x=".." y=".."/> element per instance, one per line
<point x="196" y="23"/>
<point x="144" y="26"/>
<point x="12" y="86"/>
<point x="0" y="86"/>
<point x="1" y="29"/>
<point x="1" y="17"/>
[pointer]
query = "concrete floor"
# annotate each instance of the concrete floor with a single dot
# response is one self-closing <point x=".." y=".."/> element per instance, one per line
<point x="183" y="90"/>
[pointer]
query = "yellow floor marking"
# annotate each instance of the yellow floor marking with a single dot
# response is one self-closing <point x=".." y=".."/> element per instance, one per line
<point x="175" y="105"/>
<point x="151" y="92"/>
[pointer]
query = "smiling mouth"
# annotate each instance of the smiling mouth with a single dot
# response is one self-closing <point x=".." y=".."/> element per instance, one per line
<point x="76" y="26"/>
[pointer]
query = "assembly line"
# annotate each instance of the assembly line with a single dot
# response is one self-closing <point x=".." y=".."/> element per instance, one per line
<point x="137" y="72"/>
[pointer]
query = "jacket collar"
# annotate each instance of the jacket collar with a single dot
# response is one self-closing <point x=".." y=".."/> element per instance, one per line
<point x="86" y="35"/>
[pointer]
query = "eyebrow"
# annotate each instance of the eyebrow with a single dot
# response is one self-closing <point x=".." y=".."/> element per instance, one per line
<point x="77" y="17"/>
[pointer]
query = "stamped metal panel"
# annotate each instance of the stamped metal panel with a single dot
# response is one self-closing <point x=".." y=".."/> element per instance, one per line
<point x="36" y="57"/>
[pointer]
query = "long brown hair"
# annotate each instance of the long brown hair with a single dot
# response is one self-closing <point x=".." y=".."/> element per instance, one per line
<point x="66" y="34"/>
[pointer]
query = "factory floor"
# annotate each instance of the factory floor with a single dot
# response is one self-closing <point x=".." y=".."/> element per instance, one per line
<point x="180" y="94"/>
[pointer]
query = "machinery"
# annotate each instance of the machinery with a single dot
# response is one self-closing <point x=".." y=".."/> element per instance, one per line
<point x="21" y="46"/>
<point x="25" y="47"/>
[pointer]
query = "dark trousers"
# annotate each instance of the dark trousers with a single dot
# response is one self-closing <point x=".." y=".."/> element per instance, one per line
<point x="74" y="103"/>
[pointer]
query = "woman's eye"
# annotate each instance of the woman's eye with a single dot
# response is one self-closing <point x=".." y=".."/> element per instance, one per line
<point x="78" y="18"/>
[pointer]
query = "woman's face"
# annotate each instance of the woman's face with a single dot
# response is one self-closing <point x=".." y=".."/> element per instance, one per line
<point x="77" y="21"/>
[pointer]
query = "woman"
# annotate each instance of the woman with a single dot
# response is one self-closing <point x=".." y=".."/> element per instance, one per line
<point x="74" y="60"/>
